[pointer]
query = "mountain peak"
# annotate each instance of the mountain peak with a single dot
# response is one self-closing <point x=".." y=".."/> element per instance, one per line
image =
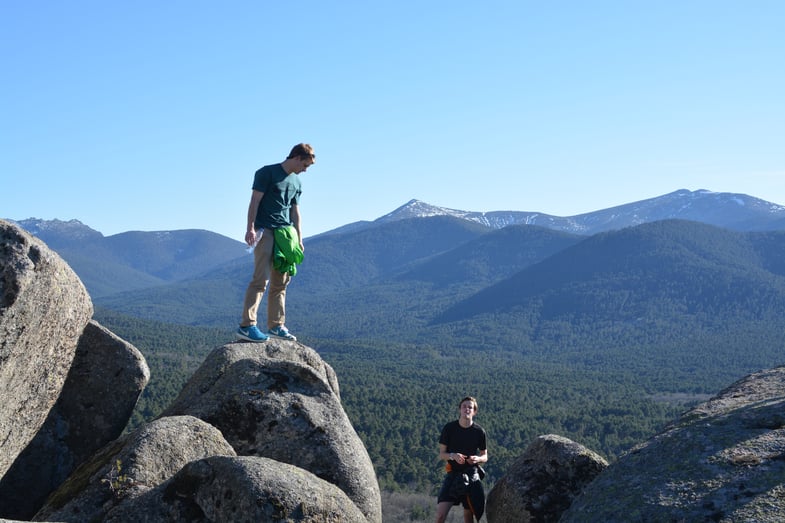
<point x="418" y="209"/>
<point x="48" y="230"/>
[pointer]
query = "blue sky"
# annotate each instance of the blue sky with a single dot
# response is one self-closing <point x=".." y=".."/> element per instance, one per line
<point x="154" y="115"/>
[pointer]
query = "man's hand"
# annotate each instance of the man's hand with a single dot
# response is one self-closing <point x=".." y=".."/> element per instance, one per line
<point x="250" y="237"/>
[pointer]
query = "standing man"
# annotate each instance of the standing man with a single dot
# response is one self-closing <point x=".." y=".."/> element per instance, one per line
<point x="274" y="206"/>
<point x="463" y="445"/>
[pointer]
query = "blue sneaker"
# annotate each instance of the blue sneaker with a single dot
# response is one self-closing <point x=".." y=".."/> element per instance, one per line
<point x="282" y="332"/>
<point x="251" y="333"/>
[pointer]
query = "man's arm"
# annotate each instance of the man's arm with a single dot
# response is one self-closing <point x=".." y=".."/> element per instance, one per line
<point x="253" y="207"/>
<point x="294" y="215"/>
<point x="443" y="454"/>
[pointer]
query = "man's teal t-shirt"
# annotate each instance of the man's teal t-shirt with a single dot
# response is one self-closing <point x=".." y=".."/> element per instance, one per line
<point x="281" y="191"/>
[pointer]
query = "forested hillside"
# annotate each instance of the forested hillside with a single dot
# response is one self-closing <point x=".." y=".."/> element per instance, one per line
<point x="398" y="396"/>
<point x="619" y="275"/>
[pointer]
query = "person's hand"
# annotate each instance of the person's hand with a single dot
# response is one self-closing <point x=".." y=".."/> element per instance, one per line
<point x="458" y="458"/>
<point x="250" y="237"/>
<point x="472" y="460"/>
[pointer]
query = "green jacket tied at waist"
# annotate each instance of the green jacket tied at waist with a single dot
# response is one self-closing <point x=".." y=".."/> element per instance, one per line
<point x="287" y="253"/>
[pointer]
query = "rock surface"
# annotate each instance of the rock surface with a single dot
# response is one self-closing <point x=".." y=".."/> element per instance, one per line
<point x="721" y="461"/>
<point x="132" y="465"/>
<point x="43" y="310"/>
<point x="280" y="400"/>
<point x="542" y="483"/>
<point x="241" y="489"/>
<point x="104" y="383"/>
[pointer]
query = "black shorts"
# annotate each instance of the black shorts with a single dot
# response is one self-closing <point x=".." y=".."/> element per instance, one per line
<point x="445" y="494"/>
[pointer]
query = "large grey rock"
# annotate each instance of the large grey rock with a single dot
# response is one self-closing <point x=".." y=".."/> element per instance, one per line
<point x="104" y="383"/>
<point x="280" y="400"/>
<point x="721" y="461"/>
<point x="242" y="489"/>
<point x="43" y="310"/>
<point x="132" y="465"/>
<point x="543" y="481"/>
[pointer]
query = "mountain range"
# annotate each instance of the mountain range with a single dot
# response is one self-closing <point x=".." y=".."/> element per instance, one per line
<point x="734" y="211"/>
<point x="137" y="260"/>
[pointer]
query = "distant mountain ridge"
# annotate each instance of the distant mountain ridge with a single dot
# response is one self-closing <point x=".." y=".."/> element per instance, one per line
<point x="730" y="210"/>
<point x="136" y="260"/>
<point x="58" y="231"/>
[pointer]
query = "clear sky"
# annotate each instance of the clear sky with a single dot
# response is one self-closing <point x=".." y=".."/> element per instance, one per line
<point x="154" y="115"/>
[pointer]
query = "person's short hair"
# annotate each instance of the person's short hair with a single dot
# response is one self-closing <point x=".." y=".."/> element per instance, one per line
<point x="473" y="400"/>
<point x="302" y="150"/>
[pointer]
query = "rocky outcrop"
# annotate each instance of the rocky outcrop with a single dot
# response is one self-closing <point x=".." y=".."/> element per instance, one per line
<point x="240" y="489"/>
<point x="43" y="310"/>
<point x="542" y="483"/>
<point x="273" y="401"/>
<point x="721" y="461"/>
<point x="131" y="466"/>
<point x="104" y="383"/>
<point x="280" y="400"/>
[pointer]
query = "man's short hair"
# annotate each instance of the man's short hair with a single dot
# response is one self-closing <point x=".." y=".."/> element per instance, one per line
<point x="302" y="150"/>
<point x="473" y="400"/>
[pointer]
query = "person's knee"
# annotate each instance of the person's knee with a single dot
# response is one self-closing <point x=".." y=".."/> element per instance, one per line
<point x="278" y="285"/>
<point x="257" y="288"/>
<point x="442" y="510"/>
<point x="276" y="290"/>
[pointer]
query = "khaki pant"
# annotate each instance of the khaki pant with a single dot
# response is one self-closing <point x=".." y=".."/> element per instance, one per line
<point x="262" y="274"/>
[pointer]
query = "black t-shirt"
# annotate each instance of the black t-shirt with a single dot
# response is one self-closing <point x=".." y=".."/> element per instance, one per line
<point x="467" y="441"/>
